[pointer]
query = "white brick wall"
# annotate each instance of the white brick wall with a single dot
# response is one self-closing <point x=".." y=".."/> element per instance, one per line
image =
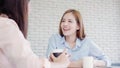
<point x="101" y="20"/>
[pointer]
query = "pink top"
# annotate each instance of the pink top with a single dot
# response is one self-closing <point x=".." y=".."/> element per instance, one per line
<point x="15" y="50"/>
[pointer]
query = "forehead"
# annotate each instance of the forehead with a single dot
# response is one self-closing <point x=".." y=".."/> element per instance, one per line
<point x="69" y="16"/>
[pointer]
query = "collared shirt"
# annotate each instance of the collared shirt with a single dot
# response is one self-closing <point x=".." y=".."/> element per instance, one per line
<point x="85" y="47"/>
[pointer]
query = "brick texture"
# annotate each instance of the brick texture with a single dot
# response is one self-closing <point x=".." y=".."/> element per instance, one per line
<point x="101" y="20"/>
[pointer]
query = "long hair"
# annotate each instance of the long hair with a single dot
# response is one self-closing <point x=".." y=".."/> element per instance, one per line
<point x="18" y="11"/>
<point x="80" y="33"/>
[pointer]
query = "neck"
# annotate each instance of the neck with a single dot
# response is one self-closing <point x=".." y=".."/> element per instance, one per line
<point x="71" y="40"/>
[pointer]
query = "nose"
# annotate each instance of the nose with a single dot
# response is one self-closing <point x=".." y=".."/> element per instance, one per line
<point x="65" y="23"/>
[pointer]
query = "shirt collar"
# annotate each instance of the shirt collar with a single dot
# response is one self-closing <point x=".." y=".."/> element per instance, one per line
<point x="78" y="42"/>
<point x="63" y="40"/>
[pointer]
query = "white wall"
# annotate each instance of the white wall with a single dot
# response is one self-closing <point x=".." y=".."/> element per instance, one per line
<point x="101" y="20"/>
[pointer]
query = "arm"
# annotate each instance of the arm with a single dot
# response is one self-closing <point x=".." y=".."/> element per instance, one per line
<point x="79" y="63"/>
<point x="4" y="63"/>
<point x="47" y="64"/>
<point x="51" y="46"/>
<point x="101" y="60"/>
<point x="99" y="63"/>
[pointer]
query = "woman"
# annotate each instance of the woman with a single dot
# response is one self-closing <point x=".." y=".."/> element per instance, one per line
<point x="72" y="37"/>
<point x="15" y="51"/>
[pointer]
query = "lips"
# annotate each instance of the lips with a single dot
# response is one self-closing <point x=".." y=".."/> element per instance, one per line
<point x="64" y="29"/>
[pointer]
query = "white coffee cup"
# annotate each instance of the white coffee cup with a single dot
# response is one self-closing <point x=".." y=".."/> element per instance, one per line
<point x="57" y="52"/>
<point x="88" y="62"/>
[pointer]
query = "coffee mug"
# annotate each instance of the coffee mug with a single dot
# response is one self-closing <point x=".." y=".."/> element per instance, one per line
<point x="57" y="52"/>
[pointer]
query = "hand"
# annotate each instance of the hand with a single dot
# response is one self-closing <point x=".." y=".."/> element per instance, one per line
<point x="62" y="59"/>
<point x="99" y="63"/>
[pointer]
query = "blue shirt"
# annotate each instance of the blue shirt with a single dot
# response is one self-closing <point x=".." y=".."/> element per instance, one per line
<point x="85" y="47"/>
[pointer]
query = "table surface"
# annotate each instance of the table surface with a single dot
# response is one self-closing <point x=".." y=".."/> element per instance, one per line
<point x="114" y="65"/>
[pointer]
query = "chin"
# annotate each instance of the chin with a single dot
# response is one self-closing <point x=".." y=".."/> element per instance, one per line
<point x="66" y="34"/>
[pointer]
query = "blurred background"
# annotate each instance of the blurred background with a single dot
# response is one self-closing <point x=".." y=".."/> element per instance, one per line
<point x="101" y="20"/>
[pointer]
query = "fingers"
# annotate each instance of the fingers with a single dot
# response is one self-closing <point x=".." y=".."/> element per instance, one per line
<point x="64" y="53"/>
<point x="53" y="57"/>
<point x="65" y="50"/>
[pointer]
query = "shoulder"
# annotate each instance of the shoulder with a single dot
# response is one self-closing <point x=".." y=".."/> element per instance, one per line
<point x="6" y="22"/>
<point x="55" y="37"/>
<point x="8" y="29"/>
<point x="88" y="41"/>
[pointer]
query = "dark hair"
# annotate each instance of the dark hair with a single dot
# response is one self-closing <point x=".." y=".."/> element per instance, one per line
<point x="80" y="33"/>
<point x="18" y="11"/>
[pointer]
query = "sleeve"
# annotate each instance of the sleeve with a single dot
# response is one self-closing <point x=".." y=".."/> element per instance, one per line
<point x="96" y="52"/>
<point x="15" y="47"/>
<point x="4" y="63"/>
<point x="51" y="46"/>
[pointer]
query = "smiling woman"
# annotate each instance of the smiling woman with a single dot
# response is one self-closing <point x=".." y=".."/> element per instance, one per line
<point x="72" y="37"/>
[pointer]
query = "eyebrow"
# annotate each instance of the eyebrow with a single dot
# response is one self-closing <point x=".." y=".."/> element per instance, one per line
<point x="65" y="19"/>
<point x="69" y="19"/>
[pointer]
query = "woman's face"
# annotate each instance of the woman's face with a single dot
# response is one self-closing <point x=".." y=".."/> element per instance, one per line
<point x="69" y="25"/>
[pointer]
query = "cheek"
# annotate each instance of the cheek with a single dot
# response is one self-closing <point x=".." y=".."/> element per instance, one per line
<point x="75" y="27"/>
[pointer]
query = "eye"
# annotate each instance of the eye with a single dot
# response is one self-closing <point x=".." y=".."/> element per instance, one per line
<point x="70" y="21"/>
<point x="63" y="20"/>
